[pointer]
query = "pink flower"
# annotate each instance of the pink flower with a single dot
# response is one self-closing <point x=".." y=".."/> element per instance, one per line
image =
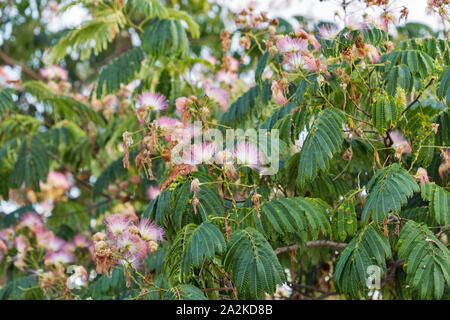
<point x="32" y="221"/>
<point x="116" y="224"/>
<point x="171" y="127"/>
<point x="58" y="180"/>
<point x="328" y="32"/>
<point x="54" y="72"/>
<point x="249" y="155"/>
<point x="226" y="77"/>
<point x="149" y="231"/>
<point x="400" y="144"/>
<point x="203" y="153"/>
<point x="422" y="175"/>
<point x="372" y="53"/>
<point x="277" y="93"/>
<point x="195" y="185"/>
<point x="234" y="64"/>
<point x="55" y="243"/>
<point x="22" y="245"/>
<point x="7" y="234"/>
<point x="153" y="101"/>
<point x="58" y="257"/>
<point x="286" y="44"/>
<point x="181" y="104"/>
<point x="217" y="94"/>
<point x="311" y="38"/>
<point x="81" y="241"/>
<point x="153" y="192"/>
<point x="294" y="60"/>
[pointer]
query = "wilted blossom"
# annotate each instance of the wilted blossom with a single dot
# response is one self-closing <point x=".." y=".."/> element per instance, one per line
<point x="54" y="72"/>
<point x="277" y="93"/>
<point x="309" y="37"/>
<point x="153" y="192"/>
<point x="153" y="101"/>
<point x="249" y="155"/>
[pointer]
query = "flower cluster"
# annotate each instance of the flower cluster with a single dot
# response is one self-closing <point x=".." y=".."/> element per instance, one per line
<point x="126" y="241"/>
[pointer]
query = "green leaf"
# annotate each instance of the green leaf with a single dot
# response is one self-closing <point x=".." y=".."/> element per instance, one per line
<point x="119" y="71"/>
<point x="6" y="100"/>
<point x="439" y="200"/>
<point x="324" y="139"/>
<point x="184" y="292"/>
<point x="385" y="113"/>
<point x="261" y="66"/>
<point x="253" y="264"/>
<point x="345" y="222"/>
<point x="427" y="262"/>
<point x="165" y="38"/>
<point x="369" y="247"/>
<point x="32" y="165"/>
<point x="295" y="215"/>
<point x="388" y="190"/>
<point x="443" y="90"/>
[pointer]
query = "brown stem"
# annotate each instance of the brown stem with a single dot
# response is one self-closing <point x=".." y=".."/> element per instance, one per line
<point x="317" y="243"/>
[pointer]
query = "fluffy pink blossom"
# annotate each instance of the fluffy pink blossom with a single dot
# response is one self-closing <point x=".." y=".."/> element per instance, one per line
<point x="218" y="94"/>
<point x="248" y="155"/>
<point x="55" y="243"/>
<point x="234" y="64"/>
<point x="21" y="244"/>
<point x="310" y="38"/>
<point x="149" y="231"/>
<point x="294" y="60"/>
<point x="7" y="234"/>
<point x="286" y="44"/>
<point x="57" y="180"/>
<point x="422" y="175"/>
<point x="58" y="257"/>
<point x="3" y="247"/>
<point x="32" y="221"/>
<point x="203" y="153"/>
<point x="328" y="32"/>
<point x="153" y="192"/>
<point x="277" y="93"/>
<point x="116" y="224"/>
<point x="400" y="144"/>
<point x="54" y="72"/>
<point x="153" y="101"/>
<point x="372" y="53"/>
<point x="226" y="77"/>
<point x="181" y="104"/>
<point x="81" y="241"/>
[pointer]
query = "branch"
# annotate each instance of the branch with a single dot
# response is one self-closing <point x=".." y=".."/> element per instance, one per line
<point x="417" y="98"/>
<point x="27" y="70"/>
<point x="317" y="243"/>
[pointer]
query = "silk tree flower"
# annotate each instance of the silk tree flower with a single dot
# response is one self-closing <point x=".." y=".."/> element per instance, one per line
<point x="422" y="175"/>
<point x="56" y="185"/>
<point x="116" y="224"/>
<point x="400" y="144"/>
<point x="54" y="72"/>
<point x="248" y="155"/>
<point x="328" y="32"/>
<point x="277" y="93"/>
<point x="226" y="77"/>
<point x="217" y="94"/>
<point x="372" y="53"/>
<point x="81" y="241"/>
<point x="195" y="185"/>
<point x="7" y="234"/>
<point x="21" y="244"/>
<point x="444" y="168"/>
<point x="181" y="104"/>
<point x="149" y="231"/>
<point x="352" y="24"/>
<point x="309" y="37"/>
<point x="203" y="153"/>
<point x="286" y="44"/>
<point x="171" y="127"/>
<point x="55" y="243"/>
<point x="153" y="192"/>
<point x="153" y="101"/>
<point x="58" y="257"/>
<point x="294" y="61"/>
<point x="3" y="248"/>
<point x="32" y="221"/>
